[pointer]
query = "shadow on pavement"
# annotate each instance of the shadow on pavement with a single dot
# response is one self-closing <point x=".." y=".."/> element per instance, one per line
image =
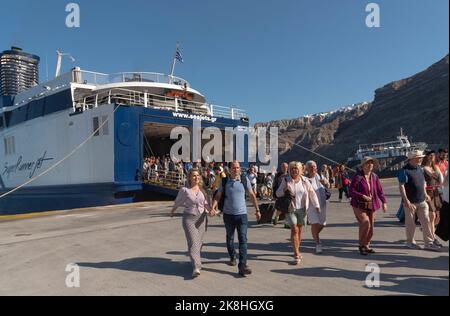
<point x="346" y="249"/>
<point x="161" y="266"/>
<point x="411" y="284"/>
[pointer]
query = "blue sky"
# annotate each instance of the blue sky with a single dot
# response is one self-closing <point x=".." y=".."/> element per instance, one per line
<point x="276" y="59"/>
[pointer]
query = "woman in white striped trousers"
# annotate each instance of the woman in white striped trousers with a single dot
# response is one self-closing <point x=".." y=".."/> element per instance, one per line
<point x="195" y="218"/>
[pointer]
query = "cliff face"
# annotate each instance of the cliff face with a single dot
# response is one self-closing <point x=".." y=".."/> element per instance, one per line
<point x="418" y="104"/>
<point x="314" y="131"/>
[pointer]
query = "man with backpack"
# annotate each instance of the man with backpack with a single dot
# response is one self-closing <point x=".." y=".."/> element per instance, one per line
<point x="231" y="200"/>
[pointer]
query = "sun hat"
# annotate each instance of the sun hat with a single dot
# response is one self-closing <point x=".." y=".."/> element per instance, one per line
<point x="415" y="154"/>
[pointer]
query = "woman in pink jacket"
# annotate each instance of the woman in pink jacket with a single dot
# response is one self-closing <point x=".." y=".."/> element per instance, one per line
<point x="303" y="194"/>
<point x="366" y="192"/>
<point x="194" y="199"/>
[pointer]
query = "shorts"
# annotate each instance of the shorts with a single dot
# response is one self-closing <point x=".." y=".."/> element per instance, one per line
<point x="298" y="217"/>
<point x="436" y="201"/>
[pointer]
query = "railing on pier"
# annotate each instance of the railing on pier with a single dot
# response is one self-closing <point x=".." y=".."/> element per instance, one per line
<point x="166" y="179"/>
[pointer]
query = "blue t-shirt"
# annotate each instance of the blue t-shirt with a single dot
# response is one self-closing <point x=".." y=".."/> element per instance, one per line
<point x="235" y="203"/>
<point x="414" y="180"/>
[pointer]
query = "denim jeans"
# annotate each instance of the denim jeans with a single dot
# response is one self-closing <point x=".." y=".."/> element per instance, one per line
<point x="239" y="223"/>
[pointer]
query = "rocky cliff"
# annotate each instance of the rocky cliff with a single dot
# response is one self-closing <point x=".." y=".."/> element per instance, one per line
<point x="418" y="104"/>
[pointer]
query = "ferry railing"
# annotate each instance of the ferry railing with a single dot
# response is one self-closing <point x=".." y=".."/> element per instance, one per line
<point x="380" y="146"/>
<point x="90" y="77"/>
<point x="96" y="78"/>
<point x="138" y="98"/>
<point x="227" y="112"/>
<point x="168" y="179"/>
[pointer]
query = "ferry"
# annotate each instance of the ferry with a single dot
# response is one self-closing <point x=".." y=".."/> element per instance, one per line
<point x="392" y="156"/>
<point x="94" y="130"/>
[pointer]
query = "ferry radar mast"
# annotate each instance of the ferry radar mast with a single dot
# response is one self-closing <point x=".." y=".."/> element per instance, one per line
<point x="59" y="61"/>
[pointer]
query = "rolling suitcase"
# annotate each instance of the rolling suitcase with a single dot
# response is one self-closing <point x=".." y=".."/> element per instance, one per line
<point x="267" y="211"/>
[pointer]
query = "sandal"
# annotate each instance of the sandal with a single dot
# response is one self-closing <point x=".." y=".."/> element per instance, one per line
<point x="297" y="260"/>
<point x="363" y="251"/>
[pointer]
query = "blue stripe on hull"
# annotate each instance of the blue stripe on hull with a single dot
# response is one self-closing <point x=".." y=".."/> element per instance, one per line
<point x="53" y="198"/>
<point x="129" y="135"/>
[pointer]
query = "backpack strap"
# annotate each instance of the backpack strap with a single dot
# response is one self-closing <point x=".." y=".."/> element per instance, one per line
<point x="222" y="198"/>
<point x="244" y="181"/>
<point x="224" y="185"/>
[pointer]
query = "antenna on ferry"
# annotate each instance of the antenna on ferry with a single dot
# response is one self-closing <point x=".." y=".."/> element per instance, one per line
<point x="59" y="61"/>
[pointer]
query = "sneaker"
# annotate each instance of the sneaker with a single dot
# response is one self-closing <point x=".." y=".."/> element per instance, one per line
<point x="437" y="243"/>
<point x="432" y="247"/>
<point x="413" y="245"/>
<point x="243" y="271"/>
<point x="319" y="249"/>
<point x="196" y="273"/>
<point x="233" y="262"/>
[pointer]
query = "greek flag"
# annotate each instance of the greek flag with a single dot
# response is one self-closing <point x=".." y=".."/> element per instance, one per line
<point x="178" y="56"/>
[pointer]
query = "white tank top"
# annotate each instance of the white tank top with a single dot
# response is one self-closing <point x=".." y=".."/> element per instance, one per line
<point x="299" y="191"/>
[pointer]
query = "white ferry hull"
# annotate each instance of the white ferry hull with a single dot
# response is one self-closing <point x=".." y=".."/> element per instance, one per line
<point x="106" y="170"/>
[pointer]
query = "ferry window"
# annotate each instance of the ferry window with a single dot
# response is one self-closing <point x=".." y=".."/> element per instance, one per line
<point x="96" y="125"/>
<point x="36" y="108"/>
<point x="105" y="129"/>
<point x="58" y="102"/>
<point x="10" y="146"/>
<point x="19" y="115"/>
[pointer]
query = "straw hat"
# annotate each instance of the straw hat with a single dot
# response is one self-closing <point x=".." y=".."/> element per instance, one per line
<point x="415" y="154"/>
<point x="368" y="159"/>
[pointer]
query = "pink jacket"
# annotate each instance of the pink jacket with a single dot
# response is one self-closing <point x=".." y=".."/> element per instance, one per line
<point x="193" y="204"/>
<point x="310" y="194"/>
<point x="359" y="187"/>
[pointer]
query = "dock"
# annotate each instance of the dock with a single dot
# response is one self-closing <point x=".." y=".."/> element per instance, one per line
<point x="137" y="249"/>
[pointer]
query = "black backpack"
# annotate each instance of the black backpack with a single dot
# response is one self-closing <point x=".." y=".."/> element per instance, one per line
<point x="276" y="184"/>
<point x="327" y="190"/>
<point x="224" y="185"/>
